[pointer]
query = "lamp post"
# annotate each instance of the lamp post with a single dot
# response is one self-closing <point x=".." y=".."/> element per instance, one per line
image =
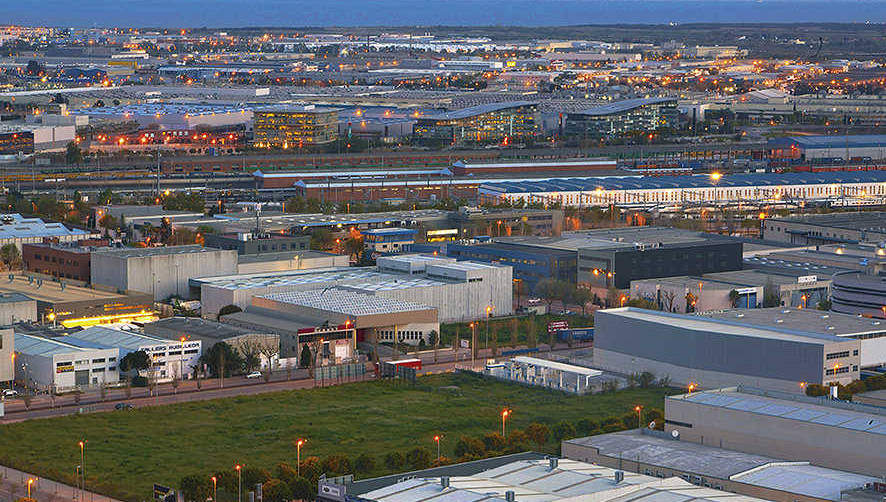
<point x="437" y="440"/>
<point x="505" y="413"/>
<point x="639" y="410"/>
<point x="181" y="358"/>
<point x="691" y="387"/>
<point x="83" y="469"/>
<point x="12" y="380"/>
<point x="488" y="313"/>
<point x="214" y="488"/>
<point x="473" y="342"/>
<point x="238" y="468"/>
<point x="298" y="444"/>
<point x="31" y="481"/>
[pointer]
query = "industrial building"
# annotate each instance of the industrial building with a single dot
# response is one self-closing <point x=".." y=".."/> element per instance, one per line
<point x="171" y="116"/>
<point x="18" y="230"/>
<point x="789" y="426"/>
<point x="655" y="453"/>
<point x="7" y="349"/>
<point x="161" y="272"/>
<point x="291" y="126"/>
<point x="69" y="305"/>
<point x="548" y="480"/>
<point x="209" y="333"/>
<point x="16" y="307"/>
<point x="61" y="261"/>
<point x="737" y="289"/>
<point x="643" y="115"/>
<point x="50" y="364"/>
<point x="832" y="228"/>
<point x="828" y="148"/>
<point x="458" y="290"/>
<point x="663" y="191"/>
<point x="248" y="244"/>
<point x="508" y="122"/>
<point x="583" y="166"/>
<point x="292" y="260"/>
<point x="870" y="332"/>
<point x="859" y="294"/>
<point x="530" y="264"/>
<point x="714" y="353"/>
<point x="26" y="139"/>
<point x="546" y="373"/>
<point x="379" y="241"/>
<point x="168" y="359"/>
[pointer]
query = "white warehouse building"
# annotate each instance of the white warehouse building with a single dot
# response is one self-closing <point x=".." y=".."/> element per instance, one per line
<point x="51" y="363"/>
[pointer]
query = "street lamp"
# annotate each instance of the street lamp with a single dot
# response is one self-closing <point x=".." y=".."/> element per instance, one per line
<point x="437" y="440"/>
<point x="238" y="468"/>
<point x="639" y="410"/>
<point x="692" y="387"/>
<point x="803" y="298"/>
<point x="214" y="488"/>
<point x="83" y="468"/>
<point x="181" y="359"/>
<point x="298" y="444"/>
<point x="12" y="380"/>
<point x="31" y="481"/>
<point x="505" y="413"/>
<point x="473" y="342"/>
<point x="488" y="313"/>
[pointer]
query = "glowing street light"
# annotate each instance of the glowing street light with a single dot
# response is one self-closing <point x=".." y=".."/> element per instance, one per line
<point x="639" y="410"/>
<point x="437" y="440"/>
<point x="239" y="468"/>
<point x="505" y="413"/>
<point x="692" y="387"/>
<point x="82" y="445"/>
<point x="214" y="488"/>
<point x="31" y="481"/>
<point x="298" y="444"/>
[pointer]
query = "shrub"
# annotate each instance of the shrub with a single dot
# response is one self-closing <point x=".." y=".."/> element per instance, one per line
<point x="286" y="473"/>
<point x="538" y="433"/>
<point x="364" y="464"/>
<point x="585" y="426"/>
<point x="302" y="489"/>
<point x="336" y="464"/>
<point x="493" y="441"/>
<point x="394" y="460"/>
<point x="275" y="490"/>
<point x="195" y="488"/>
<point x="564" y="430"/>
<point x="418" y="458"/>
<point x="469" y="446"/>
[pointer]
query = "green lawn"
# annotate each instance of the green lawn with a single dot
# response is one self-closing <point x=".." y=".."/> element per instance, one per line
<point x="128" y="451"/>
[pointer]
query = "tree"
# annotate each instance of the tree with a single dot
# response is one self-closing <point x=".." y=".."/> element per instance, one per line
<point x="135" y="361"/>
<point x="228" y="309"/>
<point x="11" y="256"/>
<point x="275" y="490"/>
<point x="770" y="294"/>
<point x="364" y="464"/>
<point x="469" y="446"/>
<point x="733" y="297"/>
<point x="418" y="458"/>
<point x="586" y="426"/>
<point x="195" y="488"/>
<point x="494" y="441"/>
<point x="73" y="154"/>
<point x="222" y="355"/>
<point x="336" y="464"/>
<point x="581" y="297"/>
<point x="302" y="489"/>
<point x="538" y="433"/>
<point x="564" y="430"/>
<point x="353" y="247"/>
<point x="394" y="460"/>
<point x="305" y="359"/>
<point x="824" y="304"/>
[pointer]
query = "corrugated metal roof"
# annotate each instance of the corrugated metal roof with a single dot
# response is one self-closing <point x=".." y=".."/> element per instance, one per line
<point x="623" y="106"/>
<point x="476" y="110"/>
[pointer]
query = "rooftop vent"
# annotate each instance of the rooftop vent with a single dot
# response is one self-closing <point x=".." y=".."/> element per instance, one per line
<point x="510" y="496"/>
<point x="619" y="476"/>
<point x="553" y="461"/>
<point x="444" y="482"/>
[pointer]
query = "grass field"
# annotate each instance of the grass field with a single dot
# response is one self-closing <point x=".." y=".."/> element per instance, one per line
<point x="129" y="450"/>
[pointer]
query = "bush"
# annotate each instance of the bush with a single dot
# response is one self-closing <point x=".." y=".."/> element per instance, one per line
<point x="252" y="476"/>
<point x="418" y="458"/>
<point x="336" y="464"/>
<point x="564" y="430"/>
<point x="538" y="433"/>
<point x="311" y="469"/>
<point x="286" y="472"/>
<point x="275" y="490"/>
<point x="816" y="390"/>
<point x="139" y="381"/>
<point x="494" y="441"/>
<point x="518" y="441"/>
<point x="469" y="446"/>
<point x="364" y="464"/>
<point x="585" y="426"/>
<point x="394" y="461"/>
<point x="302" y="489"/>
<point x="195" y="488"/>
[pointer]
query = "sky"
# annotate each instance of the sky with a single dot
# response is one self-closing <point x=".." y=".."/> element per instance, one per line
<point x="301" y="13"/>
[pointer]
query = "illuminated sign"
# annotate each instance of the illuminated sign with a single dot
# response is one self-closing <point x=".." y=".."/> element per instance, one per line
<point x="64" y="369"/>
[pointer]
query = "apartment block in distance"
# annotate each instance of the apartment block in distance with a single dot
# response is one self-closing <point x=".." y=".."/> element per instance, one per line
<point x="291" y="126"/>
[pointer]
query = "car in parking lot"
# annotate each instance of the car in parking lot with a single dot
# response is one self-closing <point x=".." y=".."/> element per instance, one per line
<point x="254" y="374"/>
<point x="123" y="406"/>
<point x="9" y="393"/>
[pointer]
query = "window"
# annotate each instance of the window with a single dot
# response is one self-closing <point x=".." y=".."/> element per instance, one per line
<point x="837" y="355"/>
<point x="98" y="370"/>
<point x="112" y="359"/>
<point x="855" y="352"/>
<point x="96" y="361"/>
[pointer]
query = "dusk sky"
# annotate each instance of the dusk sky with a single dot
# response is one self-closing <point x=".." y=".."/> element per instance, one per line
<point x="235" y="13"/>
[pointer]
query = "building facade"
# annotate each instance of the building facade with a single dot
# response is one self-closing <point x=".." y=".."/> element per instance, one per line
<point x="510" y="122"/>
<point x="248" y="244"/>
<point x="642" y="115"/>
<point x="287" y="126"/>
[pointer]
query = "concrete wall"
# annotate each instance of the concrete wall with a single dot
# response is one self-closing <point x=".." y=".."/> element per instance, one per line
<point x="293" y="263"/>
<point x="711" y="297"/>
<point x="13" y="312"/>
<point x="7" y="347"/>
<point x="834" y="447"/>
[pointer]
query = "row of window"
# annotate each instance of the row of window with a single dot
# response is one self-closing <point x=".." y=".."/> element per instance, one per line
<point x="837" y="355"/>
<point x="837" y="371"/>
<point x="54" y="259"/>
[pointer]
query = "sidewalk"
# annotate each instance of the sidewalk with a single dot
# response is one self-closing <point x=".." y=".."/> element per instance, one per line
<point x="15" y="482"/>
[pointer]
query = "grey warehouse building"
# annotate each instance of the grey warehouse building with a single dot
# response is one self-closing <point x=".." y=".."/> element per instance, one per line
<point x="833" y="433"/>
<point x="834" y="228"/>
<point x="656" y="453"/>
<point x="160" y="272"/>
<point x="719" y="353"/>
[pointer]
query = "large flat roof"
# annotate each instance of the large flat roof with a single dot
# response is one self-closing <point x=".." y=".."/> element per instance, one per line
<point x="101" y="337"/>
<point x="811" y="320"/>
<point x="821" y="411"/>
<point x="661" y="450"/>
<point x="844" y="141"/>
<point x="614" y="183"/>
<point x="51" y="291"/>
<point x="861" y="220"/>
<point x="201" y="327"/>
<point x="346" y="302"/>
<point x="623" y="106"/>
<point x="476" y="110"/>
<point x="20" y="227"/>
<point x="159" y="251"/>
<point x="45" y="347"/>
<point x="730" y="327"/>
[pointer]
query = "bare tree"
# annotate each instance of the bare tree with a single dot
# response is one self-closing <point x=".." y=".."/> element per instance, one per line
<point x="668" y="298"/>
<point x="176" y="381"/>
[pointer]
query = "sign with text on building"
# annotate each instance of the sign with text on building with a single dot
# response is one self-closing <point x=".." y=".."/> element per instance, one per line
<point x="465" y="344"/>
<point x="555" y="326"/>
<point x="807" y="279"/>
<point x="65" y="368"/>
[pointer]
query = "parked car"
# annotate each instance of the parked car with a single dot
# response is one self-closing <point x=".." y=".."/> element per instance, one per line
<point x="254" y="374"/>
<point x="7" y="393"/>
<point x="123" y="406"/>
